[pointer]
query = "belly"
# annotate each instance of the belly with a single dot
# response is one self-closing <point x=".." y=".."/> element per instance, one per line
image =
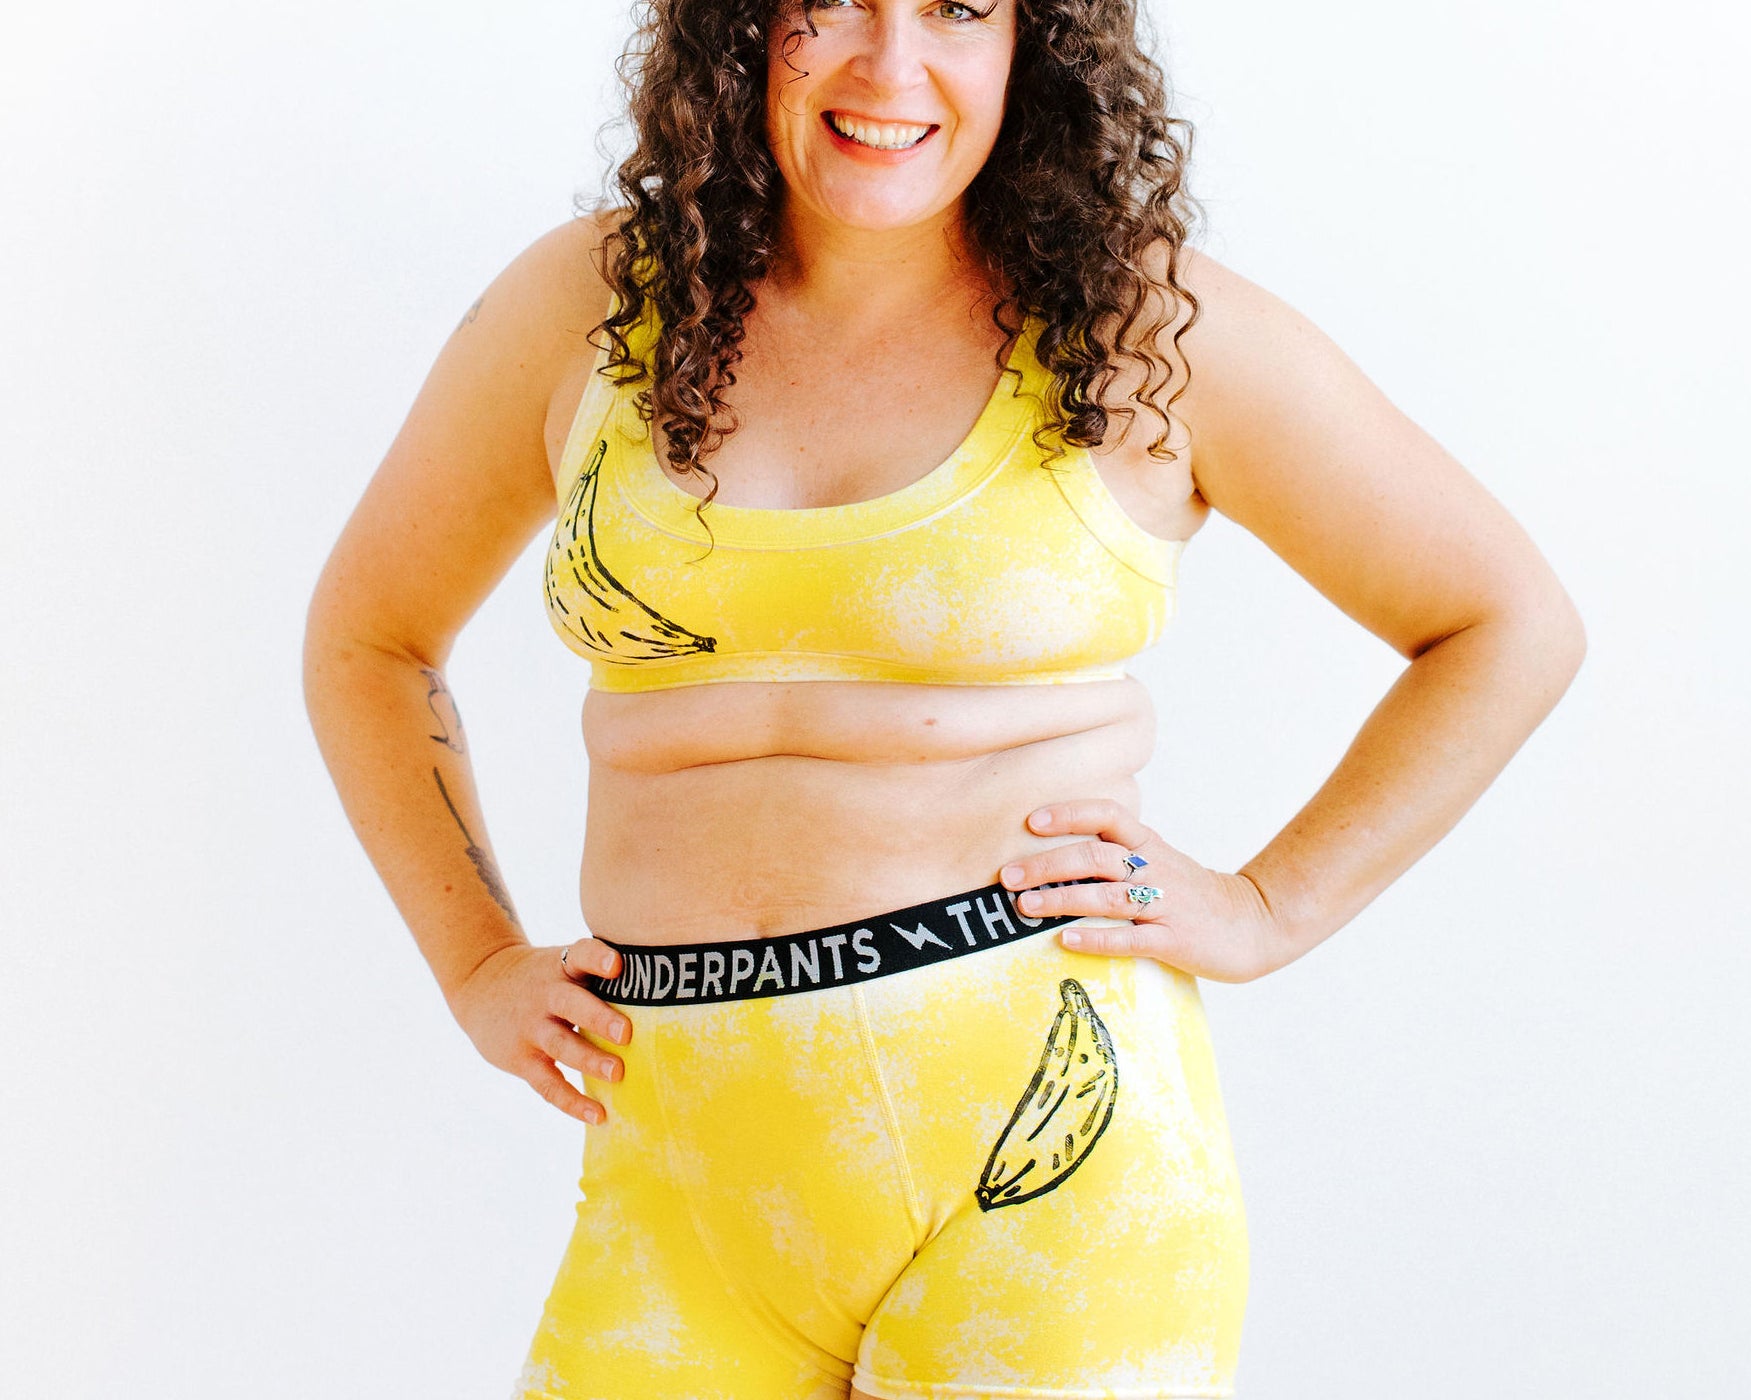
<point x="753" y="809"/>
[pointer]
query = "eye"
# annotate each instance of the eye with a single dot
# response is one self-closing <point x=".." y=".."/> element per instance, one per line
<point x="967" y="12"/>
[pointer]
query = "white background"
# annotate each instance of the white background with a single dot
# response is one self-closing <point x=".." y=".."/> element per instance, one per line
<point x="1494" y="1136"/>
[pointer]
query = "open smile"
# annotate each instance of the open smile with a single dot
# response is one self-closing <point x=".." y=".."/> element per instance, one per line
<point x="888" y="138"/>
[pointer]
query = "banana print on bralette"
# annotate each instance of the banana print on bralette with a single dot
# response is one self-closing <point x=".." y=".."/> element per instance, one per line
<point x="1065" y="1109"/>
<point x="632" y="630"/>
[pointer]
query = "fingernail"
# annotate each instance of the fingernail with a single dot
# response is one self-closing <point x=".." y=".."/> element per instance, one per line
<point x="1043" y="817"/>
<point x="1011" y="875"/>
<point x="1070" y="938"/>
<point x="622" y="1032"/>
<point x="1029" y="901"/>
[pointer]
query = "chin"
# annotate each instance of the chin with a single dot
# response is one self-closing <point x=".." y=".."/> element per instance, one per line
<point x="874" y="215"/>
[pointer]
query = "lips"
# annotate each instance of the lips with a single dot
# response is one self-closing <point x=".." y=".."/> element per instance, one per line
<point x="878" y="135"/>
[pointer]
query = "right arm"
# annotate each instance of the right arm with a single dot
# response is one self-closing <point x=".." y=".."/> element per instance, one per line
<point x="463" y="488"/>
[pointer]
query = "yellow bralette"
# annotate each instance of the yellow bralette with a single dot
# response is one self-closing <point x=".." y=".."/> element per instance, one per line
<point x="989" y="570"/>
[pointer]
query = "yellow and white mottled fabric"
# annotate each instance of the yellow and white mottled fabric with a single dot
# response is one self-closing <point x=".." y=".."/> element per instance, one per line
<point x="787" y="1195"/>
<point x="992" y="569"/>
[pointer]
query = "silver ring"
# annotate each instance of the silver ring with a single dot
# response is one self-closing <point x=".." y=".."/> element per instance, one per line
<point x="562" y="962"/>
<point x="1141" y="894"/>
<point x="1134" y="862"/>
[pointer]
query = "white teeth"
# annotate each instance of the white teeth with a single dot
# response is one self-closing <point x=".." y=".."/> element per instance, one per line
<point x="884" y="136"/>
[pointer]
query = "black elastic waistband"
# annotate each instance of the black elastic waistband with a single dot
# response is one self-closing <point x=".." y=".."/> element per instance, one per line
<point x="879" y="946"/>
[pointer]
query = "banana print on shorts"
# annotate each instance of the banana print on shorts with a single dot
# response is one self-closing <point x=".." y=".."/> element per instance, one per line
<point x="625" y="627"/>
<point x="1064" y="1111"/>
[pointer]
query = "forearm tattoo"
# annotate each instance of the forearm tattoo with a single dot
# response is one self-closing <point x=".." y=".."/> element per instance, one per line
<point x="444" y="713"/>
<point x="483" y="865"/>
<point x="469" y="315"/>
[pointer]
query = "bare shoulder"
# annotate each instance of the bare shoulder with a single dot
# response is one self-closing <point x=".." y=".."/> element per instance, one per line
<point x="1214" y="340"/>
<point x="560" y="273"/>
<point x="540" y="310"/>
<point x="466" y="481"/>
<point x="1248" y="350"/>
<point x="565" y="281"/>
<point x="1146" y="410"/>
<point x="1244" y="372"/>
<point x="523" y="335"/>
<point x="516" y="348"/>
<point x="1293" y="441"/>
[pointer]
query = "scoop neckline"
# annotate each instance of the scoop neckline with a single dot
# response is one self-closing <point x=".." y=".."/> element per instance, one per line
<point x="666" y="503"/>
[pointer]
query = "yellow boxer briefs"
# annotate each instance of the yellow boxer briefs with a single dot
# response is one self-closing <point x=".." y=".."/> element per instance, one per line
<point x="1006" y="1174"/>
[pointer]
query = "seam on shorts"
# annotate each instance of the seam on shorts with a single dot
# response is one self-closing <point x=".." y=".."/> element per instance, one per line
<point x="887" y="1388"/>
<point x="866" y="1032"/>
<point x="757" y="1313"/>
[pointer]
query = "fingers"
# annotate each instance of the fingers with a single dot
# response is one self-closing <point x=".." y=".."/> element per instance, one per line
<point x="1101" y="861"/>
<point x="1093" y="816"/>
<point x="1104" y="899"/>
<point x="574" y="1010"/>
<point x="565" y="1046"/>
<point x="1075" y="860"/>
<point x="574" y="1006"/>
<point x="1134" y="939"/>
<point x="590" y="956"/>
<point x="553" y="1086"/>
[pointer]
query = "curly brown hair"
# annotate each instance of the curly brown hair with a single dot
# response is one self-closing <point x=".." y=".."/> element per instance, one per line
<point x="1087" y="177"/>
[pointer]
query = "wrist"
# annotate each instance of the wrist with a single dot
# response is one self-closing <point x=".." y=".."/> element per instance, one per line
<point x="456" y="978"/>
<point x="1272" y="945"/>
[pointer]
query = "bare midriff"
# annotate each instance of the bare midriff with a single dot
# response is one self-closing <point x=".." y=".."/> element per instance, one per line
<point x="752" y="809"/>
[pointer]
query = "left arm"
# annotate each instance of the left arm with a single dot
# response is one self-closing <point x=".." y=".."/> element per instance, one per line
<point x="1292" y="441"/>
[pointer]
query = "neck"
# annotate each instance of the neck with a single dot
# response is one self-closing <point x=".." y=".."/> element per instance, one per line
<point x="860" y="280"/>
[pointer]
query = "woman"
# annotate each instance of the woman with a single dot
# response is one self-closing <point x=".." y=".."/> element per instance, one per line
<point x="919" y="1100"/>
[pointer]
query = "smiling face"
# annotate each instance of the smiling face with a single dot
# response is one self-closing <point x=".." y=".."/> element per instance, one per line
<point x="882" y="119"/>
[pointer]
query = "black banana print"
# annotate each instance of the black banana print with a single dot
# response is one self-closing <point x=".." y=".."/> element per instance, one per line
<point x="1065" y="1109"/>
<point x="625" y="628"/>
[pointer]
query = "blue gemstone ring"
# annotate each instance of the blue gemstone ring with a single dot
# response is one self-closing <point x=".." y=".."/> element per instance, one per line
<point x="1134" y="862"/>
<point x="1141" y="894"/>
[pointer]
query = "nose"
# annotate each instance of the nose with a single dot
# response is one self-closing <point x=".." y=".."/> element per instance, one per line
<point x="891" y="59"/>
